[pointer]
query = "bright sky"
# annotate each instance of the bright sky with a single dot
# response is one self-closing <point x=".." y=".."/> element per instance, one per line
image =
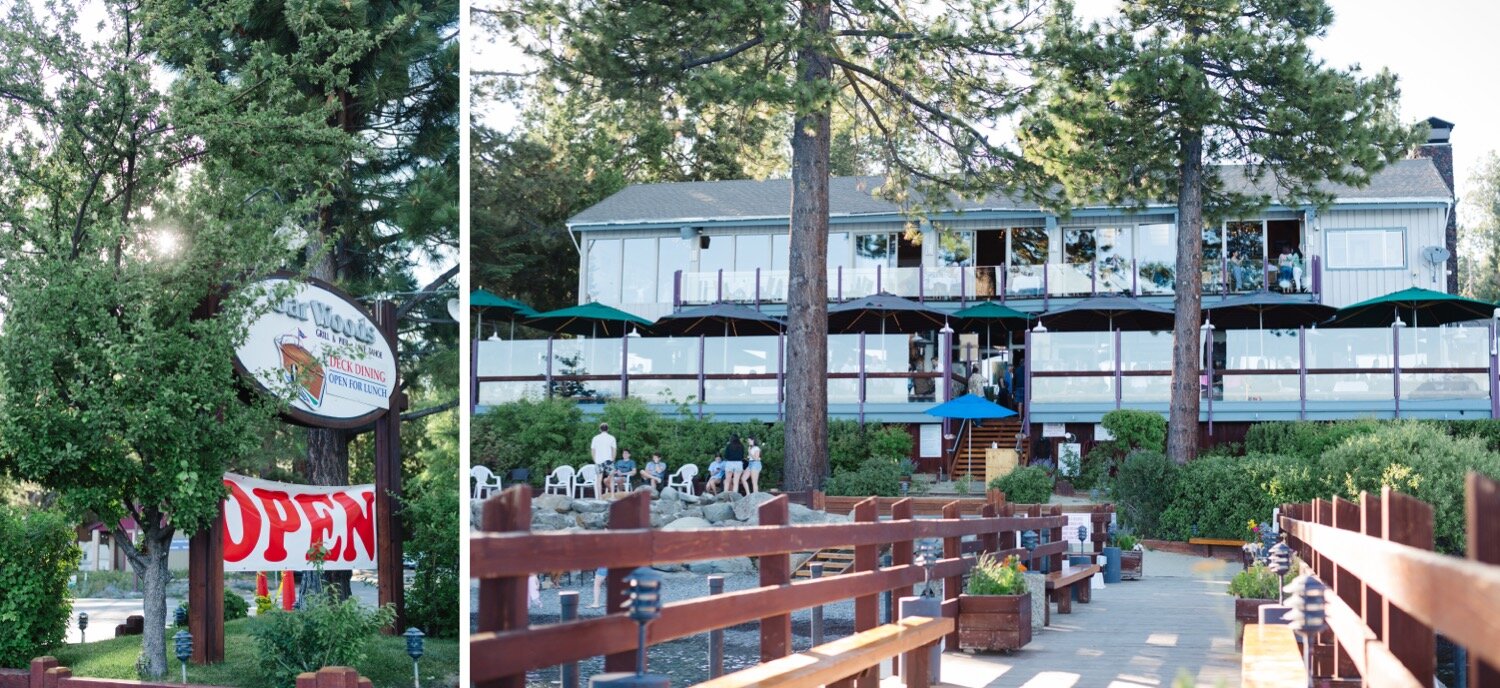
<point x="1441" y="49"/>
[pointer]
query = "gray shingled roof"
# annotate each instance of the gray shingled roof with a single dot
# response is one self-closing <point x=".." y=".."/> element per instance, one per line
<point x="771" y="199"/>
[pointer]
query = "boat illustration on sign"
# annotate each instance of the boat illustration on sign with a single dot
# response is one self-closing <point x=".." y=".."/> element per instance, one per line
<point x="300" y="367"/>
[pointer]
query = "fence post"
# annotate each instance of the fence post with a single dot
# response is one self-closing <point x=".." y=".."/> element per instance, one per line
<point x="1057" y="536"/>
<point x="1482" y="509"/>
<point x="630" y="512"/>
<point x="1372" y="609"/>
<point x="989" y="541"/>
<point x="867" y="608"/>
<point x="815" y="570"/>
<point x="1008" y="536"/>
<point x="569" y="601"/>
<point x="1322" y="655"/>
<point x="1345" y="584"/>
<point x="952" y="585"/>
<point x="716" y="636"/>
<point x="502" y="601"/>
<point x="39" y="668"/>
<point x="901" y="555"/>
<point x="775" y="569"/>
<point x="1408" y="521"/>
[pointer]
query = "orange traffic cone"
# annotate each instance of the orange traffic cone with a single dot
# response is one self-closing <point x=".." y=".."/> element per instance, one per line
<point x="288" y="591"/>
<point x="262" y="588"/>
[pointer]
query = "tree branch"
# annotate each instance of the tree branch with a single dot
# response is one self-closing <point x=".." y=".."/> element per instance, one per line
<point x="430" y="410"/>
<point x="426" y="292"/>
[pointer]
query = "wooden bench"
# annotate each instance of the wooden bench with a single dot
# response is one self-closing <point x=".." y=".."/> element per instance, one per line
<point x="839" y="662"/>
<point x="1210" y="543"/>
<point x="1271" y="658"/>
<point x="1058" y="584"/>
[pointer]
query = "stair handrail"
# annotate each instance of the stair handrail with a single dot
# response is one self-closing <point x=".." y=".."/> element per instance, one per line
<point x="953" y="450"/>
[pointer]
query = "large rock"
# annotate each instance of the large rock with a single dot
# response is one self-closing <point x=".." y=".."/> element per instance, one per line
<point x="590" y="506"/>
<point x="669" y="493"/>
<point x="732" y="565"/>
<point x="718" y="512"/>
<point x="552" y="502"/>
<point x="687" y="498"/>
<point x="593" y="521"/>
<point x="666" y="506"/>
<point x="687" y="523"/>
<point x="799" y="514"/>
<point x="694" y="511"/>
<point x="549" y="520"/>
<point x="747" y="507"/>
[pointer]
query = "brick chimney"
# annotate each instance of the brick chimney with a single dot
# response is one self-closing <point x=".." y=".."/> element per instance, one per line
<point x="1441" y="154"/>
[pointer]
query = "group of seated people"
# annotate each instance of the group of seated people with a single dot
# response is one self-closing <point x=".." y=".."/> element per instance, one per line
<point x="727" y="472"/>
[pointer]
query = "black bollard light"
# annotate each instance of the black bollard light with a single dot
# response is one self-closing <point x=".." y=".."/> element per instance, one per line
<point x="1307" y="613"/>
<point x="414" y="638"/>
<point x="1083" y="534"/>
<point x="1028" y="540"/>
<point x="183" y="641"/>
<point x="83" y="624"/>
<point x="1280" y="561"/>
<point x="645" y="606"/>
<point x="926" y="558"/>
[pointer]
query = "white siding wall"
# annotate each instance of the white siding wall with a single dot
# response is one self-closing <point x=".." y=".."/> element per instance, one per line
<point x="1423" y="227"/>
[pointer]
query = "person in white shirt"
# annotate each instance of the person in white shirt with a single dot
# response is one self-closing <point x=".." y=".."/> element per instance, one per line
<point x="602" y="450"/>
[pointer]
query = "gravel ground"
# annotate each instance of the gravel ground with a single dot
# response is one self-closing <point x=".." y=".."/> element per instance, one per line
<point x="685" y="660"/>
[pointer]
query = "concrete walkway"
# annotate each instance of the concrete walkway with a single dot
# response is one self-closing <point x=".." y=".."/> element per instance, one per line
<point x="1175" y="623"/>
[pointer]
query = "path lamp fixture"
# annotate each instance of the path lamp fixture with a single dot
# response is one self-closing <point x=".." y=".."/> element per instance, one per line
<point x="1028" y="540"/>
<point x="1307" y="614"/>
<point x="644" y="603"/>
<point x="926" y="558"/>
<point x="83" y="624"/>
<point x="183" y="642"/>
<point x="1083" y="535"/>
<point x="1280" y="561"/>
<point x="414" y="638"/>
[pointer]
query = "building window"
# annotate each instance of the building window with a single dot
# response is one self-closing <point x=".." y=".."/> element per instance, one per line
<point x="638" y="280"/>
<point x="871" y="250"/>
<point x="673" y="254"/>
<point x="604" y="270"/>
<point x="1366" y="249"/>
<point x="718" y="256"/>
<point x="752" y="251"/>
<point x="838" y="250"/>
<point x="781" y="250"/>
<point x="1028" y="246"/>
<point x="954" y="248"/>
<point x="1156" y="251"/>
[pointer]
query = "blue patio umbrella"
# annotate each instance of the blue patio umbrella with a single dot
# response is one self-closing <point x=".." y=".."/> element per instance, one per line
<point x="970" y="407"/>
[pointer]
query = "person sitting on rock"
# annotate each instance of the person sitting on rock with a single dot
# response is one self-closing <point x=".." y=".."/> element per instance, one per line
<point x="715" y="475"/>
<point x="654" y="472"/>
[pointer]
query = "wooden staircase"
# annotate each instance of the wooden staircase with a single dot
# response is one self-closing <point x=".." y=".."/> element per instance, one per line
<point x="969" y="457"/>
<point x="835" y="560"/>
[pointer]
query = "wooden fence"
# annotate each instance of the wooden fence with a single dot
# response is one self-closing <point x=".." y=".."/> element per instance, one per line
<point x="46" y="673"/>
<point x="505" y="647"/>
<point x="1389" y="593"/>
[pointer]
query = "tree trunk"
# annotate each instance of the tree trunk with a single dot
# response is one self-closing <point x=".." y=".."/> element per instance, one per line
<point x="1182" y="423"/>
<point x="327" y="448"/>
<point x="806" y="451"/>
<point x="150" y="563"/>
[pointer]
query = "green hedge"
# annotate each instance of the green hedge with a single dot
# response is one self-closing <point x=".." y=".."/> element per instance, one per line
<point x="1133" y="431"/>
<point x="1025" y="485"/>
<point x="38" y="554"/>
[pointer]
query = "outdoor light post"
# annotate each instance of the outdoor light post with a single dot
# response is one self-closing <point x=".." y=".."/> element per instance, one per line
<point x="1083" y="534"/>
<point x="1280" y="561"/>
<point x="1307" y="613"/>
<point x="184" y="646"/>
<point x="1028" y="540"/>
<point x="83" y="624"/>
<point x="414" y="637"/>
<point x="645" y="606"/>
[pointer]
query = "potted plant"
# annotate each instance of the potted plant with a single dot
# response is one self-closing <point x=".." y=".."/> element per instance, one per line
<point x="908" y="467"/>
<point x="1254" y="587"/>
<point x="1132" y="557"/>
<point x="994" y="612"/>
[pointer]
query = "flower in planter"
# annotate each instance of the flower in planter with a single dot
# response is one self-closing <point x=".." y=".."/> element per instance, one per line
<point x="992" y="577"/>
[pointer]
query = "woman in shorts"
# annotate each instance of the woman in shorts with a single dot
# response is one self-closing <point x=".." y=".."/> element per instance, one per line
<point x="734" y="463"/>
<point x="715" y="476"/>
<point x="752" y="472"/>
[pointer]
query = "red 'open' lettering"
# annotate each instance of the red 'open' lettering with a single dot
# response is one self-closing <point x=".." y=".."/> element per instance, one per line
<point x="319" y="512"/>
<point x="238" y="550"/>
<point x="358" y="521"/>
<point x="283" y="518"/>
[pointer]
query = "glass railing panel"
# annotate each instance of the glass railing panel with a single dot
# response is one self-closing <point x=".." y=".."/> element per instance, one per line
<point x="587" y="392"/>
<point x="1070" y="280"/>
<point x="1444" y="347"/>
<point x="835" y="286"/>
<point x="740" y="355"/>
<point x="843" y="391"/>
<point x="889" y="353"/>
<point x="1258" y="388"/>
<point x="1418" y="386"/>
<point x="740" y="391"/>
<point x="664" y="391"/>
<point x="1025" y="281"/>
<point x="1144" y="389"/>
<point x="918" y="389"/>
<point x="859" y="282"/>
<point x="739" y="286"/>
<point x="984" y="283"/>
<point x="888" y="390"/>
<point x="1114" y="276"/>
<point x="1261" y="350"/>
<point x="700" y="287"/>
<point x="843" y="353"/>
<point x="518" y="357"/>
<point x="773" y="285"/>
<point x="1349" y="387"/>
<point x="1145" y="351"/>
<point x="1339" y="347"/>
<point x="949" y="283"/>
<point x="493" y="393"/>
<point x="906" y="282"/>
<point x="1072" y="390"/>
<point x="663" y="356"/>
<point x="586" y="357"/>
<point x="1246" y="275"/>
<point x="1073" y="351"/>
<point x="1155" y="277"/>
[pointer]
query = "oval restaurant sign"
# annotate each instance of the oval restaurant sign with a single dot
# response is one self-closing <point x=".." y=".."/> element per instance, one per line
<point x="271" y="526"/>
<point x="320" y="348"/>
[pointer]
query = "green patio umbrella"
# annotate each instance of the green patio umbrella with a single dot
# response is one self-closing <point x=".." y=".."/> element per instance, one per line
<point x="1415" y="306"/>
<point x="593" y="319"/>
<point x="485" y="302"/>
<point x="988" y="315"/>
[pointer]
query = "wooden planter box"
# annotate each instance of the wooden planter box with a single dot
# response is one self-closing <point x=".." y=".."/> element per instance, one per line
<point x="1132" y="565"/>
<point x="994" y="622"/>
<point x="1247" y="609"/>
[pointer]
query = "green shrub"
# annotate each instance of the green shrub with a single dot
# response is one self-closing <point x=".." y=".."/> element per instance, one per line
<point x="1486" y="431"/>
<point x="875" y="477"/>
<point x="1025" y="485"/>
<point x="1220" y="494"/>
<point x="1142" y="490"/>
<point x="235" y="607"/>
<point x="1303" y="438"/>
<point x="889" y="442"/>
<point x="37" y="556"/>
<point x="516" y="434"/>
<point x="1133" y="431"/>
<point x="327" y="632"/>
<point x="1259" y="583"/>
<point x="991" y="576"/>
<point x="431" y="515"/>
<point x="263" y="605"/>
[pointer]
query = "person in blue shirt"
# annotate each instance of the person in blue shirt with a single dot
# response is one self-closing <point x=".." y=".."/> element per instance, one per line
<point x="655" y="471"/>
<point x="715" y="475"/>
<point x="624" y="470"/>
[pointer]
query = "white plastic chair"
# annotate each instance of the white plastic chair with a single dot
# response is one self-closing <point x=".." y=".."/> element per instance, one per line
<point x="683" y="478"/>
<point x="584" y="480"/>
<point x="486" y="483"/>
<point x="561" y="479"/>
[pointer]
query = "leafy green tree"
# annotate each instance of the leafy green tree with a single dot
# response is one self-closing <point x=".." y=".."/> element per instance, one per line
<point x="432" y="511"/>
<point x="926" y="82"/>
<point x="1145" y="106"/>
<point x="1481" y="270"/>
<point x="125" y="207"/>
